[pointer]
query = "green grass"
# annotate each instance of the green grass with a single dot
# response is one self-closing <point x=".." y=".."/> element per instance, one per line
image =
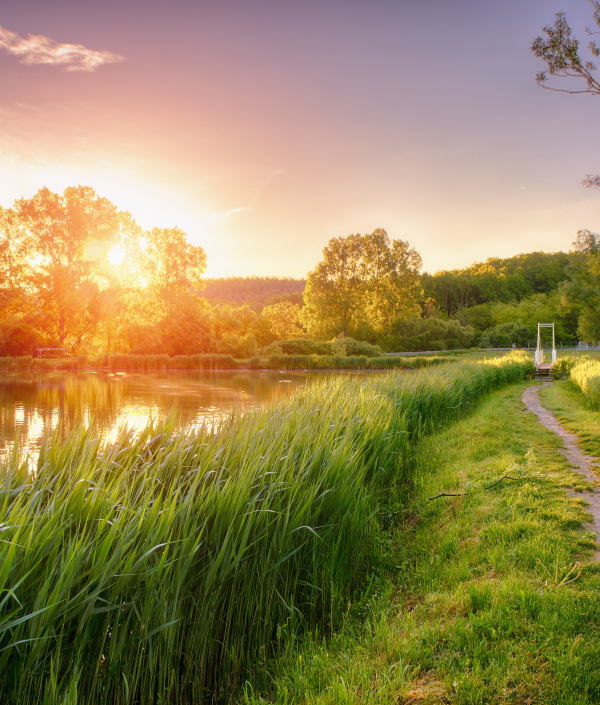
<point x="481" y="599"/>
<point x="571" y="409"/>
<point x="165" y="568"/>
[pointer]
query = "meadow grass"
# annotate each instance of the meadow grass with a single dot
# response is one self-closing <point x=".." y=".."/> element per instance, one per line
<point x="568" y="404"/>
<point x="163" y="568"/>
<point x="488" y="598"/>
<point x="586" y="377"/>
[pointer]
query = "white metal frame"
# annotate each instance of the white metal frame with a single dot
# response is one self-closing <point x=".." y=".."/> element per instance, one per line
<point x="539" y="353"/>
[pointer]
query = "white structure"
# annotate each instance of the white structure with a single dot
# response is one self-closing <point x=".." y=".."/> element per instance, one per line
<point x="539" y="353"/>
<point x="588" y="346"/>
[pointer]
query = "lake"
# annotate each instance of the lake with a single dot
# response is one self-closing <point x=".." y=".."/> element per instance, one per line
<point x="30" y="404"/>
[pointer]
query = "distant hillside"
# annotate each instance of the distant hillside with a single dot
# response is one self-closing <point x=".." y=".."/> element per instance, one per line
<point x="255" y="291"/>
<point x="506" y="280"/>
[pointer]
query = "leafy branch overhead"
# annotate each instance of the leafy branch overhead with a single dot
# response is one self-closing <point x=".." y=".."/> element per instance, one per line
<point x="560" y="50"/>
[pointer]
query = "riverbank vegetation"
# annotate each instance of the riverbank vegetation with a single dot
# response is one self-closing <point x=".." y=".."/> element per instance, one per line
<point x="163" y="568"/>
<point x="113" y="362"/>
<point x="78" y="274"/>
<point x="484" y="597"/>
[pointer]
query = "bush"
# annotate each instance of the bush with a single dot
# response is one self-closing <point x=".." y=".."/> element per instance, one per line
<point x="296" y="346"/>
<point x="360" y="347"/>
<point x="505" y="334"/>
<point x="428" y="334"/>
<point x="238" y="346"/>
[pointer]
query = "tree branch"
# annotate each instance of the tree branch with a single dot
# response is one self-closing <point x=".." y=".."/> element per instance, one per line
<point x="487" y="487"/>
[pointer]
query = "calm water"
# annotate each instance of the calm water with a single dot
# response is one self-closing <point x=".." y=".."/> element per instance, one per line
<point x="31" y="404"/>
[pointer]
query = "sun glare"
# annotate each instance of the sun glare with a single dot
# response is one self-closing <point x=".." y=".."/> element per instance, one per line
<point x="116" y="255"/>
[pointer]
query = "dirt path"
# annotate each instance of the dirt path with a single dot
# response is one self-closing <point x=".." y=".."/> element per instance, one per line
<point x="581" y="463"/>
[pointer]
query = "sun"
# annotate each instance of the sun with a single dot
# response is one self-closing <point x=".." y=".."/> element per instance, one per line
<point x="116" y="255"/>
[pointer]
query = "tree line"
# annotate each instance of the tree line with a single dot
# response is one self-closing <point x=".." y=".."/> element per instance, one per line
<point x="77" y="273"/>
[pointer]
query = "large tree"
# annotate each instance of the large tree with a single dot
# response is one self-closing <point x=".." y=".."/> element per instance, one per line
<point x="364" y="283"/>
<point x="581" y="292"/>
<point x="64" y="246"/>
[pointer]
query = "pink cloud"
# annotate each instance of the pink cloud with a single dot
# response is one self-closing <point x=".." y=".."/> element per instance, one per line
<point x="38" y="49"/>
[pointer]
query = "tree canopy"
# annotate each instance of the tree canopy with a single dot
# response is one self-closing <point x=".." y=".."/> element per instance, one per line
<point x="363" y="284"/>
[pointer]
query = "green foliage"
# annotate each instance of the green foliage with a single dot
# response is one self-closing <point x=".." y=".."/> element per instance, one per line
<point x="581" y="293"/>
<point x="560" y="52"/>
<point x="239" y="346"/>
<point x="282" y="319"/>
<point x="428" y="334"/>
<point x="585" y="375"/>
<point x="496" y="280"/>
<point x="360" y="347"/>
<point x="162" y="568"/>
<point x="505" y="334"/>
<point x="299" y="346"/>
<point x="363" y="284"/>
<point x="471" y="603"/>
<point x="564" y="364"/>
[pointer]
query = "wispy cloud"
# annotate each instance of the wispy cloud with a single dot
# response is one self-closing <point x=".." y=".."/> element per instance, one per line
<point x="38" y="49"/>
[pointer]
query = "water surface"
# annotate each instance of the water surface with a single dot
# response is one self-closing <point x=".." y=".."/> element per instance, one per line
<point x="31" y="404"/>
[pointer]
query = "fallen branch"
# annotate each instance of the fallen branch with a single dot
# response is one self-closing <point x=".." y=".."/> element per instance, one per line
<point x="487" y="487"/>
<point x="504" y="477"/>
<point x="449" y="494"/>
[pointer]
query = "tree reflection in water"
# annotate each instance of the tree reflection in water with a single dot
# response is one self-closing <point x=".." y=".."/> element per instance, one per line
<point x="30" y="405"/>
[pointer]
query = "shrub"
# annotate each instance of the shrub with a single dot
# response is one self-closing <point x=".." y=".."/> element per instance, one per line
<point x="505" y="334"/>
<point x="428" y="334"/>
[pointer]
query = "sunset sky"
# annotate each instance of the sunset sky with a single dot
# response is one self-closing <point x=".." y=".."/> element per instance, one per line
<point x="263" y="128"/>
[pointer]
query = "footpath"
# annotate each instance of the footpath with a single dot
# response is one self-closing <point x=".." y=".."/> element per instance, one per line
<point x="579" y="461"/>
<point x="489" y="589"/>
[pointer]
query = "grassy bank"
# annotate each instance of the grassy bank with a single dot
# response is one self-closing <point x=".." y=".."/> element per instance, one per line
<point x="572" y="409"/>
<point x="481" y="599"/>
<point x="161" y="568"/>
<point x="153" y="363"/>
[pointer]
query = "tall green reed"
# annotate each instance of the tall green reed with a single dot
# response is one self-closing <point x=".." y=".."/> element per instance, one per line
<point x="160" y="567"/>
<point x="585" y="375"/>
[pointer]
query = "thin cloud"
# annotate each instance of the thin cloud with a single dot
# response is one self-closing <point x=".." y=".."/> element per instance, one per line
<point x="38" y="49"/>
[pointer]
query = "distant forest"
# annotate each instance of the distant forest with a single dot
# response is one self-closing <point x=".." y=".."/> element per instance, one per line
<point x="78" y="275"/>
<point x="257" y="292"/>
<point x="491" y="303"/>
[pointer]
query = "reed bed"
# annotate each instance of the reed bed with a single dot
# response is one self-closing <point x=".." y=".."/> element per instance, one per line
<point x="160" y="567"/>
<point x="585" y="375"/>
<point x="350" y="362"/>
<point x="35" y="364"/>
<point x="126" y="362"/>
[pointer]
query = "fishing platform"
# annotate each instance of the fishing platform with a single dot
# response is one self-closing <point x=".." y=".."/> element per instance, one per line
<point x="543" y="367"/>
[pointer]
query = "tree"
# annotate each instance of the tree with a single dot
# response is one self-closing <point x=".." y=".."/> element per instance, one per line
<point x="505" y="334"/>
<point x="282" y="320"/>
<point x="175" y="266"/>
<point x="364" y="283"/>
<point x="560" y="51"/>
<point x="587" y="242"/>
<point x="64" y="252"/>
<point x="581" y="293"/>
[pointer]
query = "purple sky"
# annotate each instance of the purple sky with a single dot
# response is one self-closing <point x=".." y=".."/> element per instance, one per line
<point x="264" y="128"/>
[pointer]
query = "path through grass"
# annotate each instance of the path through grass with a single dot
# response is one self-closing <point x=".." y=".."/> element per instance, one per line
<point x="486" y="598"/>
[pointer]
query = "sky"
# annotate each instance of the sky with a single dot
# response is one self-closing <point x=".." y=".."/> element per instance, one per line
<point x="264" y="128"/>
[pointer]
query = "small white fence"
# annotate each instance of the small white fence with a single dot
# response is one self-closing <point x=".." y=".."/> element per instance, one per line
<point x="588" y="346"/>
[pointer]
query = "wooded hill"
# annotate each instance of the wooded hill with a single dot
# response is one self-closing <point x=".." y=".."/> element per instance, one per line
<point x="254" y="291"/>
